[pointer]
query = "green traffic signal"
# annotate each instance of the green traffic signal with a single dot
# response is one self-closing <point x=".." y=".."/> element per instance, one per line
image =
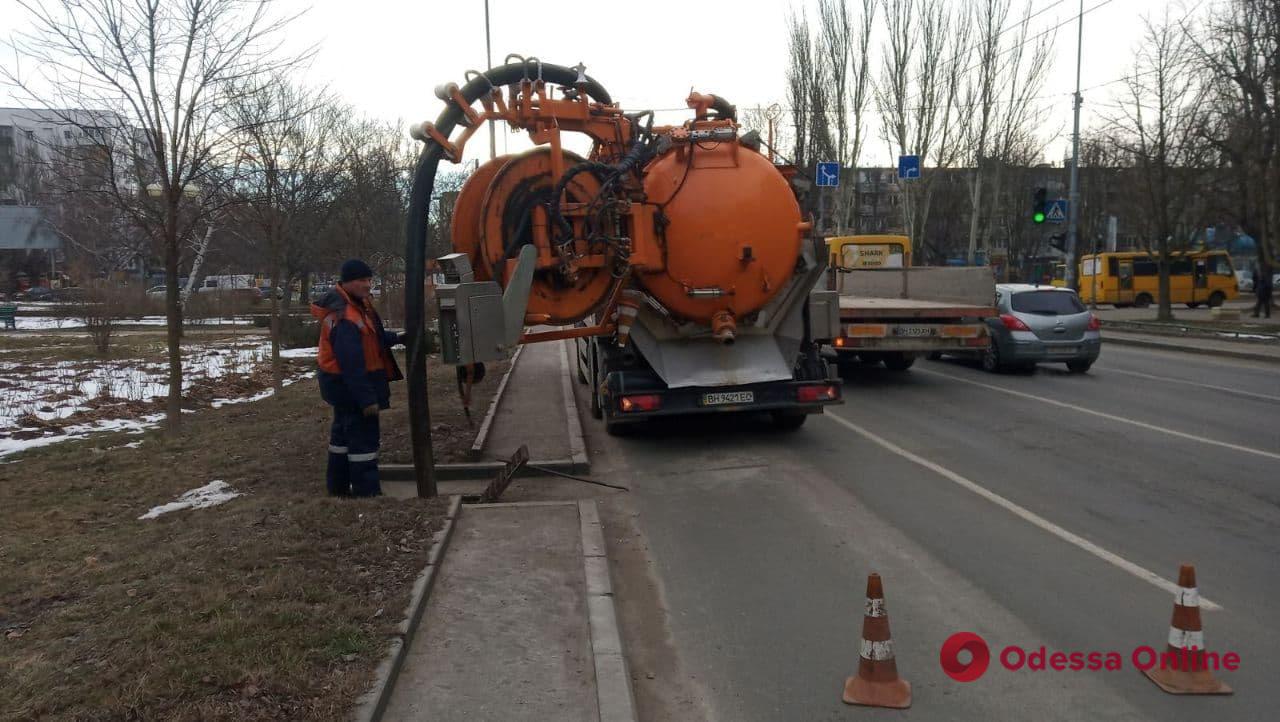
<point x="1037" y="217"/>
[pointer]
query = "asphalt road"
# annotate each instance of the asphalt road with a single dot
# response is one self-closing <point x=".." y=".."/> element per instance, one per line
<point x="1036" y="510"/>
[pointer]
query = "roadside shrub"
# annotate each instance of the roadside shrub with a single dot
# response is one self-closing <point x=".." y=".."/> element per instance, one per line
<point x="101" y="305"/>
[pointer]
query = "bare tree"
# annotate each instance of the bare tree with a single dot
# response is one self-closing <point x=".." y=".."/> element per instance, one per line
<point x="999" y="99"/>
<point x="844" y="42"/>
<point x="287" y="138"/>
<point x="924" y="53"/>
<point x="158" y="77"/>
<point x="1239" y="45"/>
<point x="1158" y="128"/>
<point x="808" y="94"/>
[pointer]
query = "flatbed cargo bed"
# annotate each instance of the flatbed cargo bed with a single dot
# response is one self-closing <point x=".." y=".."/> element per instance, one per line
<point x="871" y="307"/>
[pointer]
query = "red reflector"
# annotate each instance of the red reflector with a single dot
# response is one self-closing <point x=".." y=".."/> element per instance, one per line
<point x="646" y="402"/>
<point x="810" y="394"/>
<point x="1095" y="323"/>
<point x="1013" y="323"/>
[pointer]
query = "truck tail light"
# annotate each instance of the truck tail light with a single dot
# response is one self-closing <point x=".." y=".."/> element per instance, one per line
<point x="1013" y="323"/>
<point x="813" y="394"/>
<point x="642" y="402"/>
<point x="1095" y="323"/>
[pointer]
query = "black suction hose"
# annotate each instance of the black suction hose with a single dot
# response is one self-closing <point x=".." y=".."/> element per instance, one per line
<point x="417" y="236"/>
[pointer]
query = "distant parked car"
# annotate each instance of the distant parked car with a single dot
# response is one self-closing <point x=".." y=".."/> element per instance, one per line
<point x="1244" y="280"/>
<point x="1041" y="324"/>
<point x="265" y="292"/>
<point x="36" y="294"/>
<point x="67" y="295"/>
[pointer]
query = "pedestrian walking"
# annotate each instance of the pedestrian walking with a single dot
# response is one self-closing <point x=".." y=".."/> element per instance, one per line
<point x="1262" y="288"/>
<point x="356" y="370"/>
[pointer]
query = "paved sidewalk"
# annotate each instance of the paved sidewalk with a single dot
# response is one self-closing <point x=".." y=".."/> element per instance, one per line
<point x="1233" y="349"/>
<point x="533" y="409"/>
<point x="505" y="635"/>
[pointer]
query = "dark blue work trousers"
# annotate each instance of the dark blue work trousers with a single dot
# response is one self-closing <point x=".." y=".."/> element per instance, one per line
<point x="353" y="453"/>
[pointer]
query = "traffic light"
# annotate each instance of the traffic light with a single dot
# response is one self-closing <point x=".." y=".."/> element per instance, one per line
<point x="1039" y="206"/>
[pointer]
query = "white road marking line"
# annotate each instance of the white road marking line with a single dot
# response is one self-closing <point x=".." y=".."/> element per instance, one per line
<point x="1112" y="417"/>
<point x="1228" y="389"/>
<point x="1026" y="514"/>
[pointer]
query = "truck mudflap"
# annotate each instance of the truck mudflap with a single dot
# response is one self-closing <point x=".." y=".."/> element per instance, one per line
<point x="630" y="398"/>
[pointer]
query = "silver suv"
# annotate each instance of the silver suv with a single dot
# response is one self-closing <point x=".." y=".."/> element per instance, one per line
<point x="1041" y="323"/>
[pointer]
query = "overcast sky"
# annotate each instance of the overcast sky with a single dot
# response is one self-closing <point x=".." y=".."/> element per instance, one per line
<point x="385" y="56"/>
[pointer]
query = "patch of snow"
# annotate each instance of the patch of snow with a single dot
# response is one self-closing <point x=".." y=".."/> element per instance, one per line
<point x="211" y="494"/>
<point x="299" y="352"/>
<point x="219" y="403"/>
<point x="46" y="323"/>
<point x="80" y="431"/>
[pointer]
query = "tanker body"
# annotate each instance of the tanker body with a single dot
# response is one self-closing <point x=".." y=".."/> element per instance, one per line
<point x="676" y="258"/>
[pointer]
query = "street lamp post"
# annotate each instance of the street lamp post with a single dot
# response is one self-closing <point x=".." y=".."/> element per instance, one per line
<point x="1073" y="197"/>
<point x="488" y="63"/>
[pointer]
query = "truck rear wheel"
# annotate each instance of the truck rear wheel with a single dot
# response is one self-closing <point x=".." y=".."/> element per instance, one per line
<point x="788" y="420"/>
<point x="898" y="361"/>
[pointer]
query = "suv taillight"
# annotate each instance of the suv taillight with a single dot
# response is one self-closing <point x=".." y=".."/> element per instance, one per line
<point x="1013" y="323"/>
<point x="1095" y="323"/>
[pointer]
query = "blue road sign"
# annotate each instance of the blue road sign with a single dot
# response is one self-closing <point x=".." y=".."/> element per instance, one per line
<point x="829" y="174"/>
<point x="908" y="166"/>
<point x="1057" y="212"/>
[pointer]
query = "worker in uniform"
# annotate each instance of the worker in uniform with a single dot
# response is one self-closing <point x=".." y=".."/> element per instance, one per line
<point x="356" y="370"/>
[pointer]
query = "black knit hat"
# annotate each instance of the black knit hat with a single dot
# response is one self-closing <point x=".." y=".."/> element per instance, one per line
<point x="355" y="268"/>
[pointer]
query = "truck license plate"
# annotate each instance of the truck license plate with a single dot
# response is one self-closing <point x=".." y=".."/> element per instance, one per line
<point x="913" y="331"/>
<point x="728" y="397"/>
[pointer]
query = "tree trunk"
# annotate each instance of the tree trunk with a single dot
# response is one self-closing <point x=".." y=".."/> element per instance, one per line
<point x="277" y="375"/>
<point x="975" y="208"/>
<point x="1165" y="309"/>
<point x="173" y="312"/>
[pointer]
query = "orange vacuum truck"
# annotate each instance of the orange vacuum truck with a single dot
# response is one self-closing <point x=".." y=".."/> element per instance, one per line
<point x="675" y="258"/>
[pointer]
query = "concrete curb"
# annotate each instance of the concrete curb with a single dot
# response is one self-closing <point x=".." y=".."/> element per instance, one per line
<point x="613" y="683"/>
<point x="484" y="469"/>
<point x="577" y="442"/>
<point x="1183" y="348"/>
<point x="477" y="447"/>
<point x="1193" y="332"/>
<point x="370" y="707"/>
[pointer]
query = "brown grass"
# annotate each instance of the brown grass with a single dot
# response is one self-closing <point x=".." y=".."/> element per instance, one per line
<point x="276" y="605"/>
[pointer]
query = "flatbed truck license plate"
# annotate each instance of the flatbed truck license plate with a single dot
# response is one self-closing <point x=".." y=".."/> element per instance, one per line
<point x="913" y="331"/>
<point x="728" y="397"/>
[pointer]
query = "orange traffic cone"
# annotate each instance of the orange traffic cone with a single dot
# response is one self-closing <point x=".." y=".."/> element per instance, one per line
<point x="1183" y="670"/>
<point x="876" y="684"/>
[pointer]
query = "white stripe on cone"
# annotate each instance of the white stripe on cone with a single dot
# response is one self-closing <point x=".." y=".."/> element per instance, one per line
<point x="1187" y="597"/>
<point x="1182" y="639"/>
<point x="875" y="608"/>
<point x="877" y="651"/>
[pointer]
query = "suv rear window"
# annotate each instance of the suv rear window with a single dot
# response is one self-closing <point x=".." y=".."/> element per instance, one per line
<point x="1047" y="303"/>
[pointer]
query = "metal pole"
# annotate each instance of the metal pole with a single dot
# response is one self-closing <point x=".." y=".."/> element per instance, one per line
<point x="1073" y="196"/>
<point x="488" y="63"/>
<point x="822" y="208"/>
<point x="1093" y="301"/>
